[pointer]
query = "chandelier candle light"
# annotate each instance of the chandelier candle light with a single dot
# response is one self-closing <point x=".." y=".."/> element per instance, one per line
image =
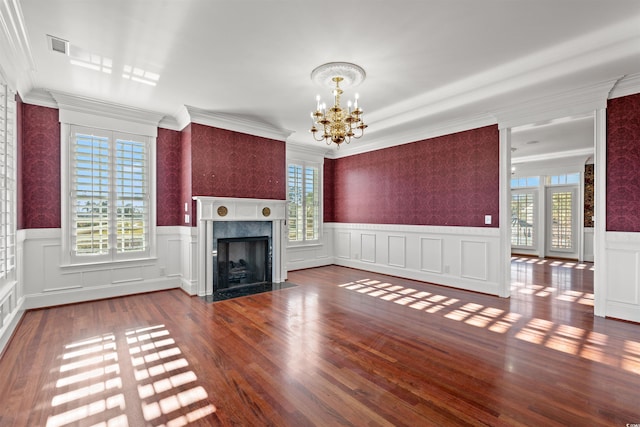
<point x="337" y="125"/>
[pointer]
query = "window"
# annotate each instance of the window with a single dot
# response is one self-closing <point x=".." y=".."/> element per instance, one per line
<point x="304" y="202"/>
<point x="569" y="178"/>
<point x="529" y="181"/>
<point x="7" y="181"/>
<point x="110" y="195"/>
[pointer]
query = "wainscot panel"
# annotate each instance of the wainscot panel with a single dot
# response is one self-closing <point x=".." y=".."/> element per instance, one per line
<point x="588" y="244"/>
<point x="47" y="283"/>
<point x="12" y="295"/>
<point x="622" y="275"/>
<point x="188" y="268"/>
<point x="309" y="256"/>
<point x="461" y="257"/>
<point x="10" y="310"/>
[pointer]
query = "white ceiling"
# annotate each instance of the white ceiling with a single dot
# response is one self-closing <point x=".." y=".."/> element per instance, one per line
<point x="427" y="62"/>
<point x="571" y="136"/>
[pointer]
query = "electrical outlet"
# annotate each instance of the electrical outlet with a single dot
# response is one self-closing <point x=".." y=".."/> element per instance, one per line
<point x="487" y="219"/>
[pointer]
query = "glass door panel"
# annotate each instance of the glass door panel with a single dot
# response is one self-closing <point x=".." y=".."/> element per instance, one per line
<point x="523" y="223"/>
<point x="561" y="221"/>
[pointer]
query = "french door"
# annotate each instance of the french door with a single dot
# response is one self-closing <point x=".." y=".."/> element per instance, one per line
<point x="562" y="221"/>
<point x="524" y="206"/>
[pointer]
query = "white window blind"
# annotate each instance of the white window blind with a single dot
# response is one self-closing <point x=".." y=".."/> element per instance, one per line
<point x="132" y="206"/>
<point x="7" y="180"/>
<point x="109" y="194"/>
<point x="304" y="202"/>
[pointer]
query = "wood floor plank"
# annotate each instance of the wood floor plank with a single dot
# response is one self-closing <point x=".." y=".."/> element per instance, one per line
<point x="344" y="347"/>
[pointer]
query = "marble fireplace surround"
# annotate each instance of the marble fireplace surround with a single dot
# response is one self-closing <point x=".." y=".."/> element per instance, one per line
<point x="213" y="209"/>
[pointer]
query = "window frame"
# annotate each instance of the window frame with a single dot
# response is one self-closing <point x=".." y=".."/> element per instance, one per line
<point x="117" y="127"/>
<point x="8" y="189"/>
<point x="320" y="195"/>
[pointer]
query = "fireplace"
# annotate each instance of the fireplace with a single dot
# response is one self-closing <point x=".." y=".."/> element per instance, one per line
<point x="240" y="242"/>
<point x="242" y="261"/>
<point x="241" y="253"/>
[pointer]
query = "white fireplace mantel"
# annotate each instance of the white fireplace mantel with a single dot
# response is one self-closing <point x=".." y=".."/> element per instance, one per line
<point x="212" y="209"/>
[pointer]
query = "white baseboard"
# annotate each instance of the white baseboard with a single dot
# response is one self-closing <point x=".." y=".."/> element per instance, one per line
<point x="310" y="263"/>
<point x="628" y="312"/>
<point x="71" y="296"/>
<point x="189" y="286"/>
<point x="484" y="287"/>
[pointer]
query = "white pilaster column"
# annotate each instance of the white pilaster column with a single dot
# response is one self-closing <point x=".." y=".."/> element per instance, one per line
<point x="600" y="201"/>
<point x="505" y="213"/>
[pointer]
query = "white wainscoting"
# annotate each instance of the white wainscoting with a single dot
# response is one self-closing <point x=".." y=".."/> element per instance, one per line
<point x="622" y="252"/>
<point x="47" y="283"/>
<point x="187" y="258"/>
<point x="462" y="257"/>
<point x="588" y="242"/>
<point x="11" y="310"/>
<point x="309" y="256"/>
<point x="12" y="296"/>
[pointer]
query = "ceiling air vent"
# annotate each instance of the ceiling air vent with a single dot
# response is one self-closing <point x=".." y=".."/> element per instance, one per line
<point x="58" y="45"/>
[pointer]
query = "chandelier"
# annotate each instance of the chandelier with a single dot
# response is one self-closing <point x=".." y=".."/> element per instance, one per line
<point x="335" y="124"/>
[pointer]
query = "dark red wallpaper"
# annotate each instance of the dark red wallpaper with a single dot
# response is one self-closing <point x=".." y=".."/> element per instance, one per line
<point x="328" y="205"/>
<point x="185" y="187"/>
<point x="623" y="164"/>
<point x="231" y="164"/>
<point x="449" y="180"/>
<point x="38" y="168"/>
<point x="170" y="208"/>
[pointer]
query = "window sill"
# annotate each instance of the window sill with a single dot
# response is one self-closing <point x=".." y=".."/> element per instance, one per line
<point x="104" y="265"/>
<point x="304" y="245"/>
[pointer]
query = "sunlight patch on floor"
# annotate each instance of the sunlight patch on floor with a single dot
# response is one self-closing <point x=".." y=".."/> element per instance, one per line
<point x="90" y="386"/>
<point x="567" y="339"/>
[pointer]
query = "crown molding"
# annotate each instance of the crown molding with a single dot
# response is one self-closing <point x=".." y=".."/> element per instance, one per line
<point x="413" y="135"/>
<point x="39" y="97"/>
<point x="311" y="152"/>
<point x="105" y="109"/>
<point x="628" y="85"/>
<point x="182" y="116"/>
<point x="16" y="44"/>
<point x="231" y="122"/>
<point x="573" y="102"/>
<point x="170" y="122"/>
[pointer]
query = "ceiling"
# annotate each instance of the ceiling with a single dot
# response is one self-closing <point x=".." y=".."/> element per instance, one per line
<point x="428" y="63"/>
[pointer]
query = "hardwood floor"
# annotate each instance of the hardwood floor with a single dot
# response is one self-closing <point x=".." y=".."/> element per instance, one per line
<point x="344" y="347"/>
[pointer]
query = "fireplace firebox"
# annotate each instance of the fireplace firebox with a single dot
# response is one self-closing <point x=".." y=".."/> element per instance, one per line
<point x="242" y="261"/>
